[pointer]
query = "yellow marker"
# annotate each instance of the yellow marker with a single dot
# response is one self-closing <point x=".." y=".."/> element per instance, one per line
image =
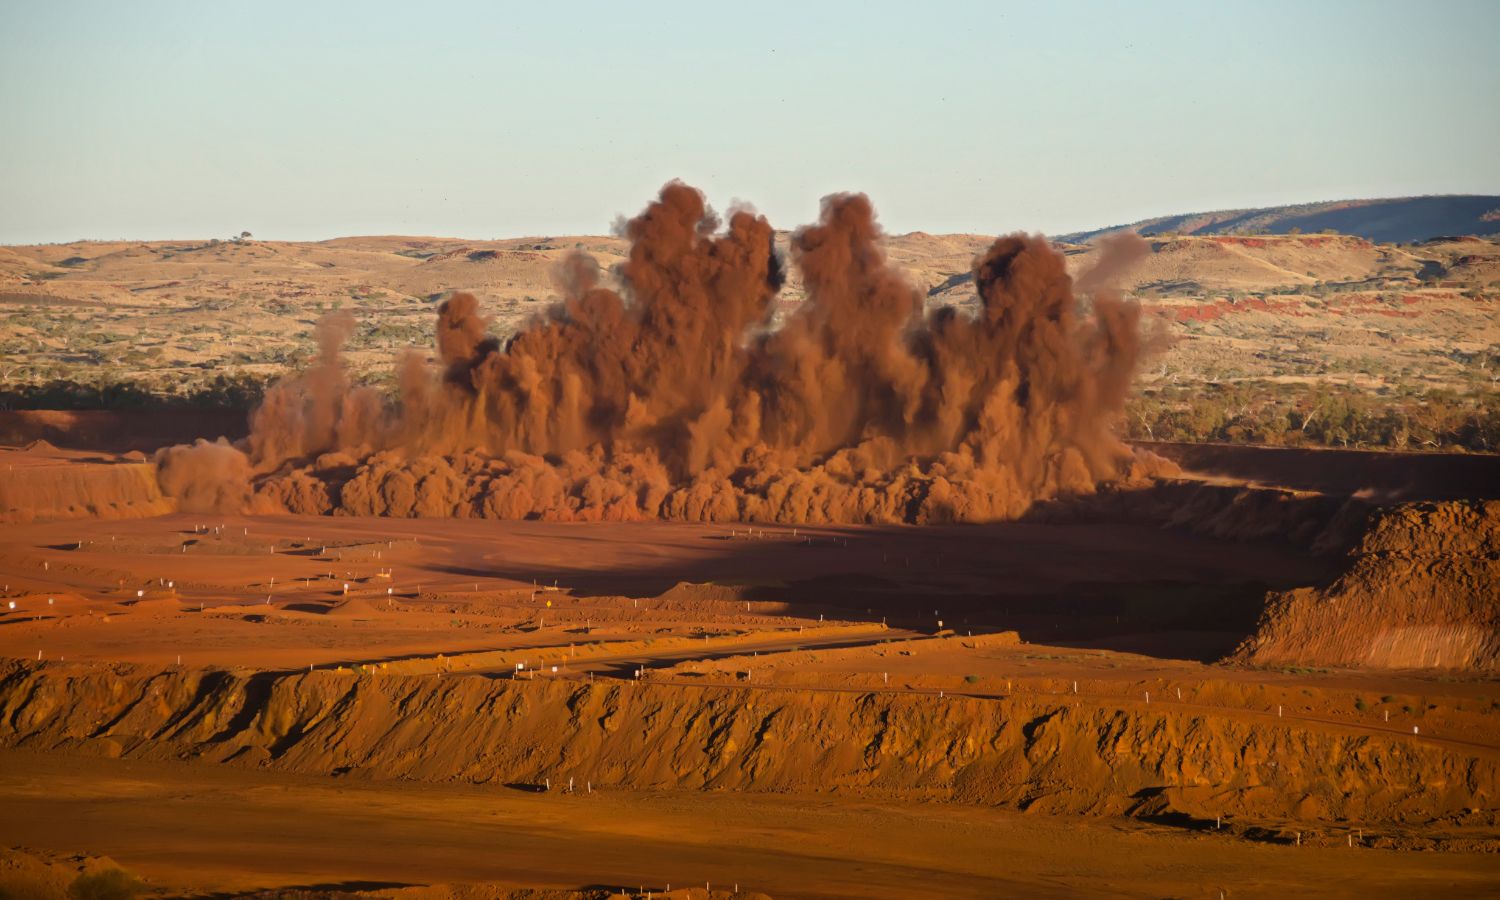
<point x="549" y="604"/>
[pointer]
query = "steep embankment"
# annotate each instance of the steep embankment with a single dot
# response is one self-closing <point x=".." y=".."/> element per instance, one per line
<point x="1322" y="523"/>
<point x="48" y="484"/>
<point x="1382" y="476"/>
<point x="1421" y="593"/>
<point x="1049" y="756"/>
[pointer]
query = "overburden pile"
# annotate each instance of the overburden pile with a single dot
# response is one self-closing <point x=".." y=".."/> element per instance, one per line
<point x="1419" y="593"/>
<point x="676" y="398"/>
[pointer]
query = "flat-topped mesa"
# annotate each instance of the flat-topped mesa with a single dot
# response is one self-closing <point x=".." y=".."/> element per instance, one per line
<point x="1421" y="593"/>
<point x="40" y="483"/>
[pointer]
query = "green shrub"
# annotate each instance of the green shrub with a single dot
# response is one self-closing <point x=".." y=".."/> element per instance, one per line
<point x="110" y="884"/>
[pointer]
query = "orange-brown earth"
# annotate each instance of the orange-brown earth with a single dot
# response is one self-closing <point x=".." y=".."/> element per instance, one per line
<point x="1274" y="670"/>
<point x="1103" y="663"/>
<point x="742" y="698"/>
<point x="223" y="831"/>
<point x="1420" y="593"/>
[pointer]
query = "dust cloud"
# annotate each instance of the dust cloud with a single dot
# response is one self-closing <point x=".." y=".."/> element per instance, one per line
<point x="675" y="397"/>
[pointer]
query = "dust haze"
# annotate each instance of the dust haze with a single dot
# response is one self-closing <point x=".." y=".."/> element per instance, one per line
<point x="674" y="398"/>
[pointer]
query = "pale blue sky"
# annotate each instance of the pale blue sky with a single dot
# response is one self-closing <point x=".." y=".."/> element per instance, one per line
<point x="311" y="120"/>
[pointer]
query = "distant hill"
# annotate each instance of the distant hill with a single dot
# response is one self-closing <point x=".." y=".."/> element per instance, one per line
<point x="1396" y="220"/>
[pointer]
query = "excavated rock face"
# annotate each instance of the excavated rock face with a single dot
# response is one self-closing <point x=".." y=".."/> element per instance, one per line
<point x="1423" y="592"/>
<point x="78" y="490"/>
<point x="1041" y="755"/>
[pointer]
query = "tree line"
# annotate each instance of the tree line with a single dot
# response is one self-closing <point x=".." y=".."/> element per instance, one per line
<point x="1322" y="416"/>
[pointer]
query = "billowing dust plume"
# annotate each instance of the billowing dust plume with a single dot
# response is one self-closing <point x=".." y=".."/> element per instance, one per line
<point x="675" y="398"/>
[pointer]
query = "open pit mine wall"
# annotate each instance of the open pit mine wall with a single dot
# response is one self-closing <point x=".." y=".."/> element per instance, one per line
<point x="1422" y="591"/>
<point x="76" y="490"/>
<point x="1320" y="523"/>
<point x="1021" y="753"/>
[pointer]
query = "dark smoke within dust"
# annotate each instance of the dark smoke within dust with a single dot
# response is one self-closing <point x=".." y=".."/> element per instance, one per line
<point x="675" y="398"/>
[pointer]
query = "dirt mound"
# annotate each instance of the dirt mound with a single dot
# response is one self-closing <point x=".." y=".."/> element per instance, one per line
<point x="1055" y="756"/>
<point x="1420" y="594"/>
<point x="154" y="606"/>
<point x="688" y="592"/>
<point x="354" y="607"/>
<point x="1466" y="528"/>
<point x="42" y="875"/>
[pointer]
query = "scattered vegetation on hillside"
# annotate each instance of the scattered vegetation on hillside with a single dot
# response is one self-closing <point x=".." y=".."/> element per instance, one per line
<point x="219" y="391"/>
<point x="1318" y="340"/>
<point x="1292" y="415"/>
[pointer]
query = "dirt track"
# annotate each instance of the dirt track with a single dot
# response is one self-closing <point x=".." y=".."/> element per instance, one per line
<point x="230" y="830"/>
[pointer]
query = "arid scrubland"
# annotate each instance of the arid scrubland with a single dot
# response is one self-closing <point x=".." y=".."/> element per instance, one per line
<point x="1290" y="339"/>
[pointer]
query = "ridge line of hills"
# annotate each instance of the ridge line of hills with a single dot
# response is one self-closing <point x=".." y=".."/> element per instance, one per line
<point x="1389" y="220"/>
<point x="1386" y="220"/>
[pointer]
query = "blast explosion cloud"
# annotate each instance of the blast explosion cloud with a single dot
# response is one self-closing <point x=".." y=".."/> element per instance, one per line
<point x="675" y="398"/>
